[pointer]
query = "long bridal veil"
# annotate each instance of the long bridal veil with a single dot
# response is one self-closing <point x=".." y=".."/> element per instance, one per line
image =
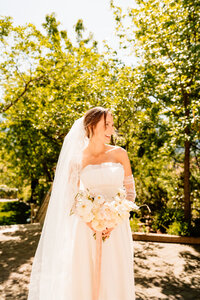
<point x="50" y="276"/>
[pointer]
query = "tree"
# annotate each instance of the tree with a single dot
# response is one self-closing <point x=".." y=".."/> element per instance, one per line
<point x="47" y="84"/>
<point x="166" y="37"/>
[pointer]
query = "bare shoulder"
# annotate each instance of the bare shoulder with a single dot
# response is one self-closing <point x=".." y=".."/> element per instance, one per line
<point x="118" y="152"/>
<point x="112" y="148"/>
<point x="114" y="152"/>
<point x="122" y="157"/>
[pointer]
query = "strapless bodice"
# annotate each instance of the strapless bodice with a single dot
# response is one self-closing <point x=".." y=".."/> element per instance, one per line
<point x="104" y="178"/>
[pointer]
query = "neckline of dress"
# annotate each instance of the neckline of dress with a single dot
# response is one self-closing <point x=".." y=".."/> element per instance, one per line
<point x="103" y="163"/>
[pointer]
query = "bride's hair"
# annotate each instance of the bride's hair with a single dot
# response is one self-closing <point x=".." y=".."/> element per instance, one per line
<point x="92" y="117"/>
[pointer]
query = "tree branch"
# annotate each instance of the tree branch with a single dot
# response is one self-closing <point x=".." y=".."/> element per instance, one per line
<point x="27" y="85"/>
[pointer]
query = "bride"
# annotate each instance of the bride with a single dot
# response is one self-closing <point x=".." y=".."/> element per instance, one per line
<point x="64" y="262"/>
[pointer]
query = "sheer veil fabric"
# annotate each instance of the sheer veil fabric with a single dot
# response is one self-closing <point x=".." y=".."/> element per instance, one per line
<point x="50" y="276"/>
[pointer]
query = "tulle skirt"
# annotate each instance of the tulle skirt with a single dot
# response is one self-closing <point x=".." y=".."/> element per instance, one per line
<point x="117" y="278"/>
<point x="70" y="276"/>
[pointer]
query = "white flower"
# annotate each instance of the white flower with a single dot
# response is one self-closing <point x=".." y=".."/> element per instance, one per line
<point x="124" y="214"/>
<point x="98" y="225"/>
<point x="98" y="200"/>
<point x="112" y="211"/>
<point x="88" y="217"/>
<point x="131" y="205"/>
<point x="83" y="207"/>
<point x="111" y="223"/>
<point x="121" y="193"/>
<point x="101" y="213"/>
<point x="111" y="205"/>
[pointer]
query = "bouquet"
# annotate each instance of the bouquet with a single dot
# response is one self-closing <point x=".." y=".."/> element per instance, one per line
<point x="101" y="213"/>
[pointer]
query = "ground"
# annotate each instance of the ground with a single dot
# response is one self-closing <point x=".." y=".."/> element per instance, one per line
<point x="162" y="270"/>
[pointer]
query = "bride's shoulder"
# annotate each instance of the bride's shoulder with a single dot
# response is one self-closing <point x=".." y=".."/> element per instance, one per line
<point x="120" y="155"/>
<point x="117" y="151"/>
<point x="112" y="148"/>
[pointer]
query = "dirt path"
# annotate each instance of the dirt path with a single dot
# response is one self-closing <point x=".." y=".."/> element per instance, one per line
<point x="162" y="271"/>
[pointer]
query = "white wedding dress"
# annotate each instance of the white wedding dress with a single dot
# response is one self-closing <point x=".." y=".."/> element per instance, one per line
<point x="117" y="278"/>
<point x="64" y="263"/>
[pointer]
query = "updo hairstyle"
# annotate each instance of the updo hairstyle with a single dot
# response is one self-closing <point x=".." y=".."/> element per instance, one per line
<point x="92" y="117"/>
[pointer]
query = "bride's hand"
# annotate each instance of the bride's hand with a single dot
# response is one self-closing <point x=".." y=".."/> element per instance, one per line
<point x="106" y="233"/>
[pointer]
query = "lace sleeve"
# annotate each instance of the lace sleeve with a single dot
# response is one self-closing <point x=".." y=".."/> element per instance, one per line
<point x="74" y="179"/>
<point x="129" y="184"/>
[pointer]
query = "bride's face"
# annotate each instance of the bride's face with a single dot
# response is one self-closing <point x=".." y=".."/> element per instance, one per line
<point x="102" y="132"/>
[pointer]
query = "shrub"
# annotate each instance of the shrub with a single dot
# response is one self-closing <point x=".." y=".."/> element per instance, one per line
<point x="178" y="228"/>
<point x="171" y="221"/>
<point x="166" y="217"/>
<point x="14" y="212"/>
<point x="134" y="224"/>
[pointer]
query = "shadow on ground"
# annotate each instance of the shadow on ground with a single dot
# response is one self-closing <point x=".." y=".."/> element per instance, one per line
<point x="17" y="249"/>
<point x="162" y="271"/>
<point x="167" y="271"/>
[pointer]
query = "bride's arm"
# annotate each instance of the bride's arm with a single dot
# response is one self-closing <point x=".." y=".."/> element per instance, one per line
<point x="129" y="182"/>
<point x="74" y="181"/>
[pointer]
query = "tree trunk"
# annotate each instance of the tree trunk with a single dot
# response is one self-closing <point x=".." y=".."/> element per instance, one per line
<point x="187" y="207"/>
<point x="187" y="144"/>
<point x="34" y="183"/>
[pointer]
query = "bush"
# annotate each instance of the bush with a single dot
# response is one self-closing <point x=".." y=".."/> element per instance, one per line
<point x="134" y="224"/>
<point x="178" y="228"/>
<point x="171" y="221"/>
<point x="14" y="212"/>
<point x="166" y="217"/>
